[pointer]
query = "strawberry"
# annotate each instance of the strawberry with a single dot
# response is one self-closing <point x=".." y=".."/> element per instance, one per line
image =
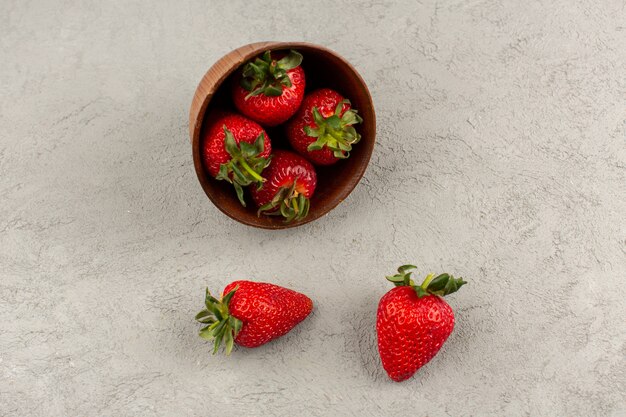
<point x="251" y="314"/>
<point x="236" y="149"/>
<point x="270" y="90"/>
<point x="290" y="183"/>
<point x="413" y="321"/>
<point x="323" y="129"/>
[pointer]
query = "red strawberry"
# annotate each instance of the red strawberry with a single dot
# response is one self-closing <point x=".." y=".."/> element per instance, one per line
<point x="323" y="129"/>
<point x="236" y="149"/>
<point x="413" y="321"/>
<point x="251" y="314"/>
<point x="290" y="183"/>
<point x="270" y="90"/>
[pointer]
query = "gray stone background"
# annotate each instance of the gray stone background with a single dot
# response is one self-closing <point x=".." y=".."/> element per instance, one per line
<point x="501" y="157"/>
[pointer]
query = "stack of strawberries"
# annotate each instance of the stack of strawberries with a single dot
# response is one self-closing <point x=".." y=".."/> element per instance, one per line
<point x="270" y="91"/>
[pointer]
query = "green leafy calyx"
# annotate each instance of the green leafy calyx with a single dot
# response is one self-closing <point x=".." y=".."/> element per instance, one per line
<point x="441" y="285"/>
<point x="221" y="326"/>
<point x="245" y="165"/>
<point x="287" y="202"/>
<point x="335" y="132"/>
<point x="268" y="76"/>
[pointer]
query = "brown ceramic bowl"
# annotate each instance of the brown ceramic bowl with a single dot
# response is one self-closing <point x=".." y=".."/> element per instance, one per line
<point x="323" y="68"/>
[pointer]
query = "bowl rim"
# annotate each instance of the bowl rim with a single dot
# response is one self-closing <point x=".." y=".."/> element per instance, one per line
<point x="215" y="77"/>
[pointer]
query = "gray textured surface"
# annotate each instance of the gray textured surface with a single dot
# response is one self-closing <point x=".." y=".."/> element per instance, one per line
<point x="501" y="156"/>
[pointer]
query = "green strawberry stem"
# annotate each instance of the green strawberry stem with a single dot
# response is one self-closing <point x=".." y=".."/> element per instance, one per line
<point x="335" y="132"/>
<point x="427" y="280"/>
<point x="267" y="76"/>
<point x="252" y="173"/>
<point x="245" y="165"/>
<point x="287" y="203"/>
<point x="221" y="326"/>
<point x="441" y="285"/>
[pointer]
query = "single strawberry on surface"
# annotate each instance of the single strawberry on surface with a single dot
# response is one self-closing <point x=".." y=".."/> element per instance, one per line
<point x="323" y="129"/>
<point x="251" y="314"/>
<point x="271" y="88"/>
<point x="290" y="183"/>
<point x="236" y="149"/>
<point x="414" y="321"/>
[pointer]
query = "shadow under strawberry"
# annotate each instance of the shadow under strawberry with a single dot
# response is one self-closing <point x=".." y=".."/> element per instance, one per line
<point x="360" y="337"/>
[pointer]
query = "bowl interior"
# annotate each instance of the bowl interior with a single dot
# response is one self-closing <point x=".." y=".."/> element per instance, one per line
<point x="322" y="68"/>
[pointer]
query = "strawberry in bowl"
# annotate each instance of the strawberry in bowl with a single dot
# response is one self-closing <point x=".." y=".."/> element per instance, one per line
<point x="323" y="129"/>
<point x="290" y="182"/>
<point x="236" y="149"/>
<point x="271" y="88"/>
